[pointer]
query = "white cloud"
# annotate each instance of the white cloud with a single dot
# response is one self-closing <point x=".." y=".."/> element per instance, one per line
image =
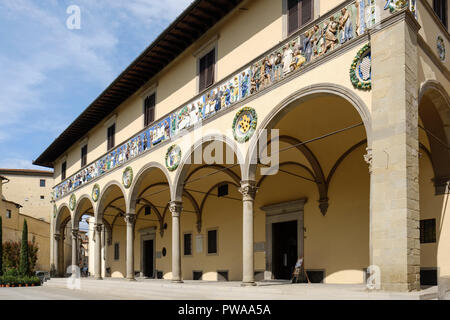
<point x="44" y="65"/>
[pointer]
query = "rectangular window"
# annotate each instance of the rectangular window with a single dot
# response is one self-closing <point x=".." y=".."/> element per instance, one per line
<point x="300" y="12"/>
<point x="8" y="214"/>
<point x="440" y="7"/>
<point x="428" y="231"/>
<point x="212" y="241"/>
<point x="42" y="182"/>
<point x="149" y="109"/>
<point x="206" y="70"/>
<point x="83" y="156"/>
<point x="222" y="190"/>
<point x="63" y="170"/>
<point x="197" y="275"/>
<point x="116" y="251"/>
<point x="187" y="244"/>
<point x="148" y="211"/>
<point x="111" y="135"/>
<point x="42" y="197"/>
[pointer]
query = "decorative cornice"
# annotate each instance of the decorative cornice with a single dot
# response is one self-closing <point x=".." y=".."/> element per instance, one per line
<point x="402" y="15"/>
<point x="285" y="207"/>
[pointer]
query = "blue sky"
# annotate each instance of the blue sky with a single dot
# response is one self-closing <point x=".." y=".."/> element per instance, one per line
<point x="49" y="74"/>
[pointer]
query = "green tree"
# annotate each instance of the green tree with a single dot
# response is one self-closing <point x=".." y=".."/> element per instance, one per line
<point x="24" y="266"/>
<point x="1" y="248"/>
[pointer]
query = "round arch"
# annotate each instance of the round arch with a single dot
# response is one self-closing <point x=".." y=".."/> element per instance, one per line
<point x="177" y="190"/>
<point x="303" y="95"/>
<point x="434" y="111"/>
<point x="101" y="204"/>
<point x="134" y="189"/>
<point x="59" y="214"/>
<point x="77" y="214"/>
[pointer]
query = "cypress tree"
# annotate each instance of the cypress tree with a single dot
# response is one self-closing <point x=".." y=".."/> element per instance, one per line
<point x="24" y="266"/>
<point x="1" y="248"/>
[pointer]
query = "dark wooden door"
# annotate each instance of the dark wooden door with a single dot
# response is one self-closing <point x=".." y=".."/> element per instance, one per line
<point x="148" y="259"/>
<point x="284" y="255"/>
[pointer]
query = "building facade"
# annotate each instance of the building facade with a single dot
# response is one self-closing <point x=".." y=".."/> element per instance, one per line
<point x="32" y="189"/>
<point x="252" y="133"/>
<point x="12" y="226"/>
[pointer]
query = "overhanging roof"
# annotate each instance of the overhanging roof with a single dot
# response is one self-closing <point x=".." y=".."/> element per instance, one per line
<point x="29" y="172"/>
<point x="190" y="25"/>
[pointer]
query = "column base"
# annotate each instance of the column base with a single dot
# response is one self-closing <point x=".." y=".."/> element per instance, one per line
<point x="177" y="281"/>
<point x="131" y="279"/>
<point x="248" y="284"/>
<point x="98" y="278"/>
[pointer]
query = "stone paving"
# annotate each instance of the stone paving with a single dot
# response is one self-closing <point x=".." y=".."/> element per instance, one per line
<point x="119" y="289"/>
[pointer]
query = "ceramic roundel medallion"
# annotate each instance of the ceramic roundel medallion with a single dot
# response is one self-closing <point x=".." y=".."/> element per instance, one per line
<point x="95" y="192"/>
<point x="173" y="157"/>
<point x="361" y="69"/>
<point x="72" y="202"/>
<point x="244" y="124"/>
<point x="441" y="48"/>
<point x="127" y="177"/>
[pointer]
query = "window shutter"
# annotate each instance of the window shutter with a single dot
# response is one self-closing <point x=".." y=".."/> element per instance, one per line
<point x="293" y="9"/>
<point x="206" y="72"/>
<point x="63" y="170"/>
<point x="149" y="109"/>
<point x="202" y="74"/>
<point x="307" y="6"/>
<point x="111" y="133"/>
<point x="84" y="156"/>
<point x="210" y="68"/>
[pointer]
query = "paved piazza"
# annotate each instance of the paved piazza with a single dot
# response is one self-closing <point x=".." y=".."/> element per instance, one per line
<point x="118" y="289"/>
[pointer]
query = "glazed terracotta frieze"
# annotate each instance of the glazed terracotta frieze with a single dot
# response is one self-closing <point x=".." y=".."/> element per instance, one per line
<point x="298" y="51"/>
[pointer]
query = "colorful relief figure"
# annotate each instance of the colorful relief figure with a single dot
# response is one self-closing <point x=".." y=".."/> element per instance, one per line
<point x="160" y="132"/>
<point x="395" y="5"/>
<point x="346" y="25"/>
<point x="244" y="83"/>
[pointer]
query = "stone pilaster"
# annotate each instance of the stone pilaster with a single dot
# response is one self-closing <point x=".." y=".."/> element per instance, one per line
<point x="394" y="205"/>
<point x="175" y="208"/>
<point x="130" y="219"/>
<point x="98" y="252"/>
<point x="248" y="190"/>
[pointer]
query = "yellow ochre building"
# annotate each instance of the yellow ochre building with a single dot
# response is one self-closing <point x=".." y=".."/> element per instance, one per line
<point x="254" y="132"/>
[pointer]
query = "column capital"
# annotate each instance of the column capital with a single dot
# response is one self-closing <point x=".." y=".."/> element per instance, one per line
<point x="57" y="236"/>
<point x="248" y="189"/>
<point x="98" y="227"/>
<point x="368" y="158"/>
<point x="175" y="208"/>
<point x="130" y="218"/>
<point x="75" y="233"/>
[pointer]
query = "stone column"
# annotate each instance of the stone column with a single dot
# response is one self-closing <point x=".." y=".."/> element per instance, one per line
<point x="75" y="247"/>
<point x="98" y="252"/>
<point x="61" y="258"/>
<point x="103" y="252"/>
<point x="130" y="218"/>
<point x="56" y="244"/>
<point x="175" y="208"/>
<point x="393" y="156"/>
<point x="248" y="190"/>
